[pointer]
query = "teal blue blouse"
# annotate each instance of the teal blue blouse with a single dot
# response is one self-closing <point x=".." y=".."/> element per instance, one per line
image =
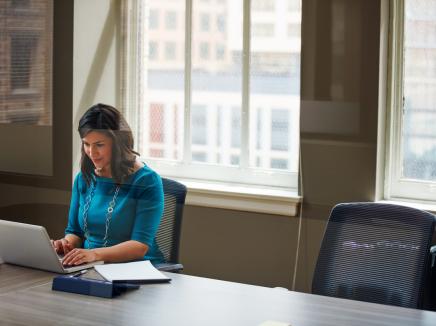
<point x="136" y="215"/>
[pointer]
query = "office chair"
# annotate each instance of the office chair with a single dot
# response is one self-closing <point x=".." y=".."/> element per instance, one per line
<point x="168" y="234"/>
<point x="376" y="253"/>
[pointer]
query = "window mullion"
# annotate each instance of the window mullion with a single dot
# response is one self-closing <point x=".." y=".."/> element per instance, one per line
<point x="245" y="106"/>
<point x="393" y="168"/>
<point x="188" y="91"/>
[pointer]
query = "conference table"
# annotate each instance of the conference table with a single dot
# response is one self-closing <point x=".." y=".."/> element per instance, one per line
<point x="26" y="298"/>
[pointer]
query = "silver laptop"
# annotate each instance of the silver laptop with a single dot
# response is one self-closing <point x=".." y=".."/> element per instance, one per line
<point x="29" y="245"/>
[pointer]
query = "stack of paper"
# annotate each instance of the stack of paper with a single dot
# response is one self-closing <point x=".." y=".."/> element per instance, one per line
<point x="137" y="272"/>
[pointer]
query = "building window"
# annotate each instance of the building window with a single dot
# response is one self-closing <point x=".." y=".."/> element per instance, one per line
<point x="171" y="20"/>
<point x="170" y="51"/>
<point x="220" y="50"/>
<point x="262" y="5"/>
<point x="221" y="23"/>
<point x="199" y="125"/>
<point x="204" y="22"/>
<point x="411" y="164"/>
<point x="204" y="50"/>
<point x="279" y="129"/>
<point x="233" y="105"/>
<point x="294" y="30"/>
<point x="153" y="19"/>
<point x="263" y="30"/>
<point x="279" y="164"/>
<point x="23" y="52"/>
<point x="20" y="4"/>
<point x="152" y="50"/>
<point x="294" y="5"/>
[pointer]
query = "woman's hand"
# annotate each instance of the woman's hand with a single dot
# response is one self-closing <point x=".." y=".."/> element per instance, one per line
<point x="62" y="246"/>
<point x="79" y="256"/>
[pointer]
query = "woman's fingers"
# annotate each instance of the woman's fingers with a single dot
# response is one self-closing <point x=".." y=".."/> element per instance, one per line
<point x="66" y="246"/>
<point x="57" y="245"/>
<point x="77" y="257"/>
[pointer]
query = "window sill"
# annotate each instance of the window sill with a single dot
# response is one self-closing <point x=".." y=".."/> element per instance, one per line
<point x="242" y="198"/>
<point x="423" y="206"/>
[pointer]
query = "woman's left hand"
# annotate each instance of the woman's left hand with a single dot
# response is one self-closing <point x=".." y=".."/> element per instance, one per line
<point x="79" y="256"/>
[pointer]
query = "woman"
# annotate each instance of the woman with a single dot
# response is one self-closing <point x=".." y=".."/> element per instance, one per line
<point x="117" y="202"/>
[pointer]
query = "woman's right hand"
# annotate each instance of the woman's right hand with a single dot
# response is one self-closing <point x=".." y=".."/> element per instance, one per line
<point x="62" y="246"/>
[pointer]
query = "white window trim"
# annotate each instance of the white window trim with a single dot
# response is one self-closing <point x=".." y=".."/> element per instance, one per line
<point x="282" y="200"/>
<point x="242" y="198"/>
<point x="395" y="187"/>
<point x="431" y="208"/>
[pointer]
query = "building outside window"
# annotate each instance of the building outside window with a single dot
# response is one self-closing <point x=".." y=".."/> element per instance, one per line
<point x="229" y="109"/>
<point x="171" y="20"/>
<point x="170" y="51"/>
<point x="153" y="20"/>
<point x="411" y="165"/>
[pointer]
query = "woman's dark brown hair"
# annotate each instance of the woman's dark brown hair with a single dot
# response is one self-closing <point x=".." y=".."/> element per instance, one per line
<point x="109" y="121"/>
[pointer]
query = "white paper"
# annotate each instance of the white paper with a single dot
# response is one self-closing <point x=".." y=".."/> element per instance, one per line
<point x="135" y="271"/>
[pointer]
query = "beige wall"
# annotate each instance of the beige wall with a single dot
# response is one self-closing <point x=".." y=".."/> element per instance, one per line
<point x="96" y="73"/>
<point x="341" y="55"/>
<point x="340" y="77"/>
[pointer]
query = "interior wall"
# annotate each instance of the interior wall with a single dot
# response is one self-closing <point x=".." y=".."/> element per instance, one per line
<point x="340" y="67"/>
<point x="96" y="72"/>
<point x="238" y="246"/>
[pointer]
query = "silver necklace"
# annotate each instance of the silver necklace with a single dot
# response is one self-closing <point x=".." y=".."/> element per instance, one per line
<point x="109" y="212"/>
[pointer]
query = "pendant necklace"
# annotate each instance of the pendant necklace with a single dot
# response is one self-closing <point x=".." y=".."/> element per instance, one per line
<point x="109" y="212"/>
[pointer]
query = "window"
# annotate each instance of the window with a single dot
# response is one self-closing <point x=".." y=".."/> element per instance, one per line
<point x="26" y="44"/>
<point x="170" y="20"/>
<point x="23" y="51"/>
<point x="170" y="51"/>
<point x="152" y="50"/>
<point x="221" y="23"/>
<point x="204" y="22"/>
<point x="411" y="165"/>
<point x="294" y="30"/>
<point x="229" y="105"/>
<point x="204" y="50"/>
<point x="279" y="129"/>
<point x="263" y="30"/>
<point x="25" y="56"/>
<point x="220" y="50"/>
<point x="153" y="20"/>
<point x="294" y="5"/>
<point x="262" y="5"/>
<point x="20" y="3"/>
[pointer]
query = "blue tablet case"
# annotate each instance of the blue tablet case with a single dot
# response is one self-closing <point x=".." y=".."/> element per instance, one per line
<point x="98" y="288"/>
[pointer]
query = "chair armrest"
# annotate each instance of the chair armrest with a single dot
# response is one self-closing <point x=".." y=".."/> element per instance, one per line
<point x="169" y="267"/>
<point x="433" y="255"/>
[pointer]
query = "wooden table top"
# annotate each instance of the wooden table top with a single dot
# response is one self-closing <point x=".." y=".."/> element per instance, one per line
<point x="26" y="298"/>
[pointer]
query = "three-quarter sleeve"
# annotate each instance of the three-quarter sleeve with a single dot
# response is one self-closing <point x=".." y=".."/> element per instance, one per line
<point x="149" y="209"/>
<point x="73" y="226"/>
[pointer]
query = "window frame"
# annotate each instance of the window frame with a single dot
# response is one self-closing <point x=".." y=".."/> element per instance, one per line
<point x="396" y="187"/>
<point x="205" y="174"/>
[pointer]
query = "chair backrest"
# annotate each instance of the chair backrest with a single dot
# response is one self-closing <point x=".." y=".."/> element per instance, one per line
<point x="168" y="234"/>
<point x="376" y="253"/>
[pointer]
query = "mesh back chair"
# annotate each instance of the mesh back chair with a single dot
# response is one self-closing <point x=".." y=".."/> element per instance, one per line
<point x="168" y="234"/>
<point x="376" y="253"/>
